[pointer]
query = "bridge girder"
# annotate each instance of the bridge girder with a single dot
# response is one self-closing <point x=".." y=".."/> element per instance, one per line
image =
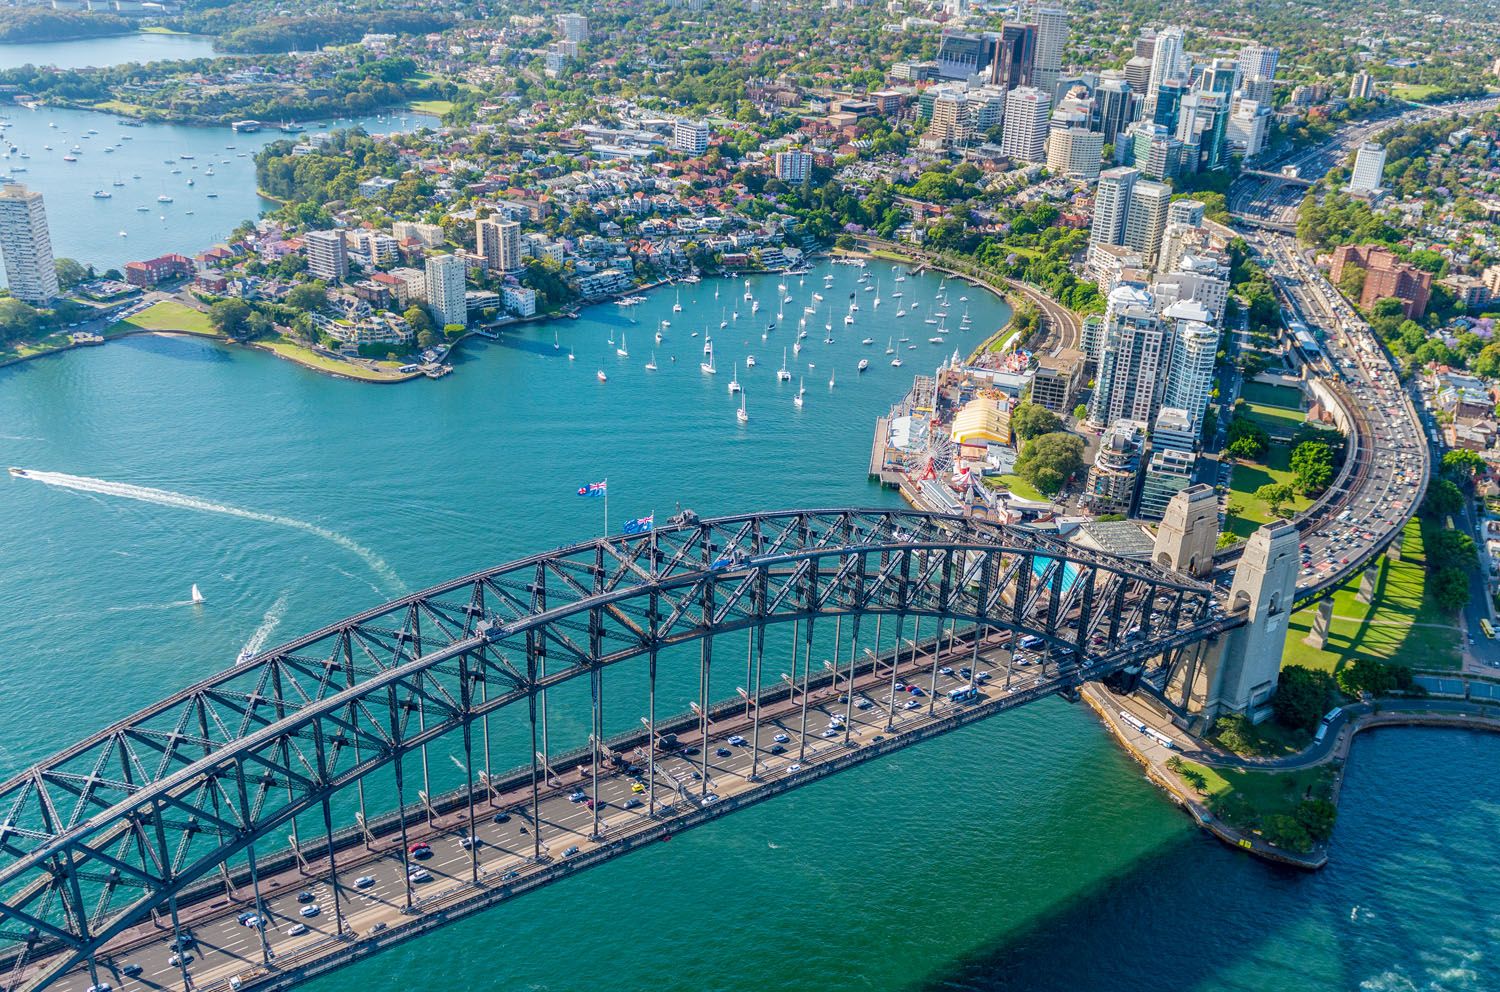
<point x="98" y="837"/>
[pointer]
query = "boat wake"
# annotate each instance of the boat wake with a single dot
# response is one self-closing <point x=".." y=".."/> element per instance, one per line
<point x="268" y="624"/>
<point x="165" y="497"/>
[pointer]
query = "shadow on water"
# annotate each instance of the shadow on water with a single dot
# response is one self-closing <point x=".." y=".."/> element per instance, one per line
<point x="182" y="347"/>
<point x="1402" y="904"/>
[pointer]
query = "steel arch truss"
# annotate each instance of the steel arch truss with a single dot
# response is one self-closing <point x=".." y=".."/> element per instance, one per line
<point x="96" y="838"/>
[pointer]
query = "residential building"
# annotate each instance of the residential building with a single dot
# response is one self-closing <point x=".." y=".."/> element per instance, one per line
<point x="428" y="235"/>
<point x="519" y="300"/>
<point x="1190" y="372"/>
<point x="1189" y="212"/>
<point x="1117" y="466"/>
<point x="1027" y="114"/>
<point x="1258" y="62"/>
<point x="1200" y="279"/>
<point x="153" y="271"/>
<point x="1386" y="276"/>
<point x="26" y="243"/>
<point x="1132" y="361"/>
<point x="574" y="27"/>
<point x="793" y="166"/>
<point x="1248" y="125"/>
<point x="1492" y="281"/>
<point x="1146" y="220"/>
<point x="499" y="241"/>
<point x="1173" y="429"/>
<point x="445" y="290"/>
<point x="327" y="255"/>
<point x="1362" y="86"/>
<point x="1168" y="62"/>
<point x="690" y="137"/>
<point x="1369" y="169"/>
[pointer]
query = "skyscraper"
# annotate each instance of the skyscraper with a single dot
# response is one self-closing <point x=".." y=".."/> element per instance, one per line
<point x="1258" y="62"/>
<point x="1027" y="118"/>
<point x="1073" y="150"/>
<point x="445" y="290"/>
<point x="1132" y="360"/>
<point x="1112" y="99"/>
<point x="1369" y="168"/>
<point x="1051" y="38"/>
<point x="1112" y="205"/>
<point x="1362" y="86"/>
<point x="574" y="27"/>
<point x="27" y="245"/>
<point x="499" y="241"/>
<point x="690" y="136"/>
<point x="1016" y="54"/>
<point x="1168" y="61"/>
<point x="1146" y="219"/>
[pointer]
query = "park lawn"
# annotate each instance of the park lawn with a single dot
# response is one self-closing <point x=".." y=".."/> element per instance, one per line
<point x="387" y="371"/>
<point x="1020" y="487"/>
<point x="1262" y="793"/>
<point x="436" y="108"/>
<point x="1270" y="394"/>
<point x="168" y="315"/>
<point x="1277" y="421"/>
<point x="1403" y="625"/>
<point x="1413" y="91"/>
<point x="120" y="107"/>
<point x="1250" y="476"/>
<point x="28" y="349"/>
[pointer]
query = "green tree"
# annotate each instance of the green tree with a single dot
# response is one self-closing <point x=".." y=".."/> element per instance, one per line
<point x="308" y="297"/>
<point x="1312" y="467"/>
<point x="1450" y="588"/>
<point x="1031" y="420"/>
<point x="1286" y="831"/>
<point x="1443" y="498"/>
<point x="1462" y="463"/>
<point x="70" y="273"/>
<point x="230" y="317"/>
<point x="1317" y="817"/>
<point x="1247" y="439"/>
<point x="417" y="319"/>
<point x="1048" y="461"/>
<point x="1276" y="496"/>
<point x="1080" y="412"/>
<point x="1449" y="549"/>
<point x="1302" y="697"/>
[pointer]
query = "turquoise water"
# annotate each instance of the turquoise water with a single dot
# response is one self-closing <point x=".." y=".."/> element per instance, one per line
<point x="1024" y="853"/>
<point x="89" y="229"/>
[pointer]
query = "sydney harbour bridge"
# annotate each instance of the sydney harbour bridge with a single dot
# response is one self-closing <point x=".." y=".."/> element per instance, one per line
<point x="458" y="747"/>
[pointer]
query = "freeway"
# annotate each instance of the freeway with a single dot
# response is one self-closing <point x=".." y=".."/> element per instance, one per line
<point x="472" y="854"/>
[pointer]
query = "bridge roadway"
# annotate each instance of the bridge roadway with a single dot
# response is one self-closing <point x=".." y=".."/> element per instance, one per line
<point x="515" y="856"/>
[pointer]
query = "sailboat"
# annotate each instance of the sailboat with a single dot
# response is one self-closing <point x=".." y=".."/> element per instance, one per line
<point x="601" y="376"/>
<point x="749" y="361"/>
<point x="830" y="380"/>
<point x="707" y="365"/>
<point x="782" y="375"/>
<point x="876" y="302"/>
<point x="889" y="346"/>
<point x="864" y="363"/>
<point x="734" y="380"/>
<point x="622" y="351"/>
<point x="797" y="400"/>
<point x="658" y="337"/>
<point x="197" y="596"/>
<point x="677" y="307"/>
<point x="740" y="414"/>
<point x="556" y="345"/>
<point x="651" y="365"/>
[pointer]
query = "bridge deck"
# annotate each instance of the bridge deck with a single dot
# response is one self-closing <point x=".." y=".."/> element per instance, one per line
<point x="464" y="881"/>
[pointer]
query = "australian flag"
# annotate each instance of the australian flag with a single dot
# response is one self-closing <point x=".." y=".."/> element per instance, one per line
<point x="593" y="489"/>
<point x="639" y="525"/>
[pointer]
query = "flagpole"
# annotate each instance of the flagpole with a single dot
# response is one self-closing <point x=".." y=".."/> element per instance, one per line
<point x="606" y="506"/>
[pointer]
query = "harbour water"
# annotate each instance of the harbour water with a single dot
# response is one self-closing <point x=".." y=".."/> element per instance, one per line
<point x="111" y="51"/>
<point x="149" y="162"/>
<point x="1025" y="853"/>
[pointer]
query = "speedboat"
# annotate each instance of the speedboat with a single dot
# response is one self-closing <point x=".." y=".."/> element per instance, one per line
<point x="19" y="473"/>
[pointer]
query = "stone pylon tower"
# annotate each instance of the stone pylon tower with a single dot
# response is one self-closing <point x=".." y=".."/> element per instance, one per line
<point x="1189" y="532"/>
<point x="1242" y="676"/>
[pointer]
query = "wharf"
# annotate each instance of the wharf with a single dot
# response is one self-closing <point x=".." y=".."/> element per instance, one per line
<point x="887" y="477"/>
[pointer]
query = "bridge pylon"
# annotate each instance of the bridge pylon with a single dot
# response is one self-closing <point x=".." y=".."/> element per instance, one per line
<point x="1238" y="674"/>
<point x="1189" y="532"/>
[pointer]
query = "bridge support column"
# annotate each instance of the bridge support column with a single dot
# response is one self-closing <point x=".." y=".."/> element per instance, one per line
<point x="760" y="659"/>
<point x="1393" y="550"/>
<point x="1189" y="532"/>
<point x="1367" y="584"/>
<point x="1322" y="619"/>
<point x="1241" y="676"/>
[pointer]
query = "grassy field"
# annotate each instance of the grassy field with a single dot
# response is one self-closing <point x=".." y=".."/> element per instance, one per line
<point x="1248" y="477"/>
<point x="1254" y="795"/>
<point x="120" y="107"/>
<point x="168" y="315"/>
<point x="1277" y="421"/>
<point x="1413" y="91"/>
<point x="1020" y="487"/>
<point x="386" y="371"/>
<point x="436" y="108"/>
<point x="1402" y="624"/>
<point x="1269" y="394"/>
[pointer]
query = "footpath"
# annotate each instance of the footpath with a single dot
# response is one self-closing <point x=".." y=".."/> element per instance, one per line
<point x="1145" y="729"/>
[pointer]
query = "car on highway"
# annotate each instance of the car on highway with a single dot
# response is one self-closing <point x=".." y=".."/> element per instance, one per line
<point x="721" y="752"/>
<point x="793" y="767"/>
<point x="100" y="987"/>
<point x="309" y="911"/>
<point x="421" y="849"/>
<point x="502" y="817"/>
<point x="578" y="796"/>
<point x="466" y="842"/>
<point x="296" y="930"/>
<point x="364" y="881"/>
<point x="782" y="739"/>
<point x="778" y="749"/>
<point x="737" y="740"/>
<point x="378" y="927"/>
<point x="131" y="970"/>
<point x="633" y="803"/>
<point x="571" y="852"/>
<point x="178" y="960"/>
<point x="305" y="897"/>
<point x="419" y="875"/>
